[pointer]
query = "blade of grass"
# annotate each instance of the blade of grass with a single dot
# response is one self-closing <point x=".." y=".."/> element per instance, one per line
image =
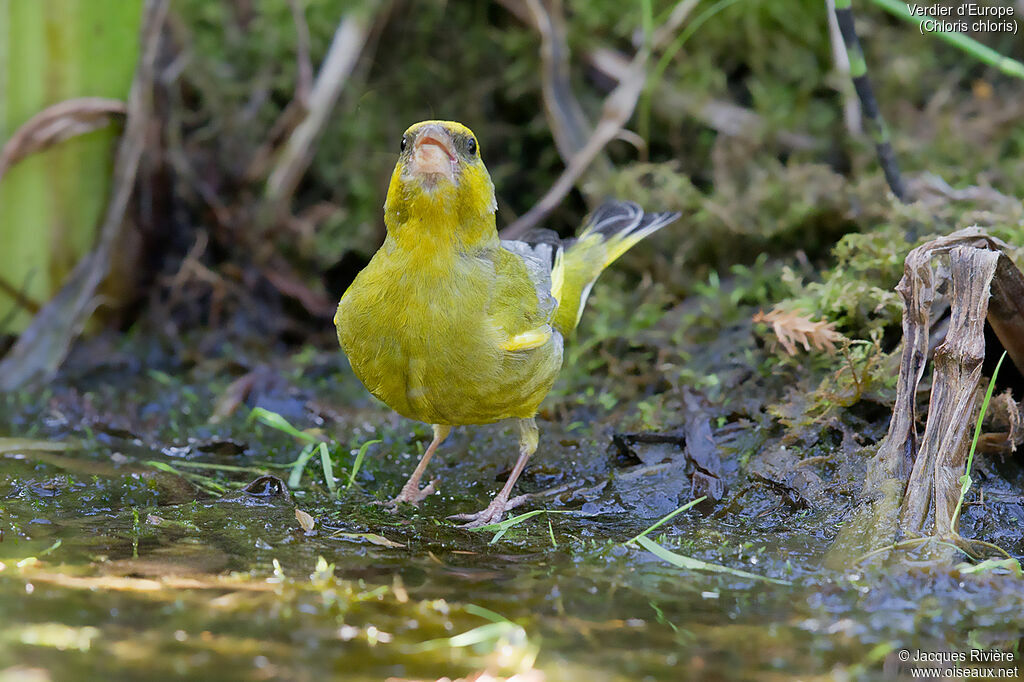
<point x="222" y="467"/>
<point x="499" y="627"/>
<point x="52" y="548"/>
<point x="298" y="465"/>
<point x="912" y="542"/>
<point x="359" y="461"/>
<point x="198" y="479"/>
<point x="491" y="632"/>
<point x="644" y="110"/>
<point x="486" y="613"/>
<point x="503" y="527"/>
<point x="276" y="421"/>
<point x="551" y="533"/>
<point x="698" y="565"/>
<point x="668" y="518"/>
<point x="1011" y="565"/>
<point x="965" y="480"/>
<point x="325" y="463"/>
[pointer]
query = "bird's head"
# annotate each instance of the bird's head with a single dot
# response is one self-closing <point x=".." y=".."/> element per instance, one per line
<point x="439" y="178"/>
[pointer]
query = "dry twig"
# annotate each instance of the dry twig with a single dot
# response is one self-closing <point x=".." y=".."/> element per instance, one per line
<point x="727" y="118"/>
<point x="297" y="153"/>
<point x="618" y="107"/>
<point x="304" y="76"/>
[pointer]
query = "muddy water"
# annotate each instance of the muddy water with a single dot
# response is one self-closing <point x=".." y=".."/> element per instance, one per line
<point x="122" y="559"/>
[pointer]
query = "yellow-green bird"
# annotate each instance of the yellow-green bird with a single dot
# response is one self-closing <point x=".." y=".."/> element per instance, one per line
<point x="450" y="325"/>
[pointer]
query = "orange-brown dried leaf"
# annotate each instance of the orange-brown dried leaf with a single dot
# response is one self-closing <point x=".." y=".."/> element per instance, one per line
<point x="792" y="329"/>
<point x="305" y="520"/>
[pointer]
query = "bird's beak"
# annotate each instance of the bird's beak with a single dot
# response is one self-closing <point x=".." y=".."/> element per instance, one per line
<point x="432" y="155"/>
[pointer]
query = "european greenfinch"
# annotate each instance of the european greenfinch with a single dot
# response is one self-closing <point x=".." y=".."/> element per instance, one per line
<point x="450" y="325"/>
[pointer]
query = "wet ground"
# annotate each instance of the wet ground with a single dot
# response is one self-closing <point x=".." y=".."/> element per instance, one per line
<point x="129" y="548"/>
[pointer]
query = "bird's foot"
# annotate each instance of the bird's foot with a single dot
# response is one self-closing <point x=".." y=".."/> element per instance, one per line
<point x="490" y="514"/>
<point x="411" y="494"/>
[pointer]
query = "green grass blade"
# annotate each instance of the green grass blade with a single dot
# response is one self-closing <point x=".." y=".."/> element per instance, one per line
<point x="508" y="523"/>
<point x="55" y="546"/>
<point x="965" y="480"/>
<point x="359" y="461"/>
<point x="198" y="479"/>
<point x="222" y="467"/>
<point x="491" y="632"/>
<point x="668" y="518"/>
<point x="644" y="113"/>
<point x="698" y="565"/>
<point x="503" y="527"/>
<point x="276" y="421"/>
<point x="486" y="614"/>
<point x="1011" y="565"/>
<point x="298" y="465"/>
<point x="328" y="467"/>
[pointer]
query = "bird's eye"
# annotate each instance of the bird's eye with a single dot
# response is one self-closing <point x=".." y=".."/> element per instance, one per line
<point x="471" y="147"/>
<point x="403" y="143"/>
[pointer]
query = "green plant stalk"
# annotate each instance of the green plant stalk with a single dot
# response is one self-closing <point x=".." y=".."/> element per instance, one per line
<point x="965" y="480"/>
<point x="359" y="461"/>
<point x="668" y="517"/>
<point x="503" y="527"/>
<point x="205" y="482"/>
<point x="299" y="464"/>
<point x="644" y="110"/>
<point x="51" y="202"/>
<point x="325" y="463"/>
<point x="983" y="53"/>
<point x="1011" y="565"/>
<point x="875" y="124"/>
<point x="697" y="565"/>
<point x="486" y="614"/>
<point x="276" y="421"/>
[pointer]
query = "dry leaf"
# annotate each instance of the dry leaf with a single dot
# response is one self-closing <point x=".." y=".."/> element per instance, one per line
<point x="372" y="538"/>
<point x="305" y="520"/>
<point x="57" y="123"/>
<point x="792" y="328"/>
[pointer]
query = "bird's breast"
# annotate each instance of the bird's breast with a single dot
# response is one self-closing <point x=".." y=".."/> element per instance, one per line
<point x="418" y="337"/>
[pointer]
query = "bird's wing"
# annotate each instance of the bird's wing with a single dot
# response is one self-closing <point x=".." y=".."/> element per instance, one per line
<point x="523" y="305"/>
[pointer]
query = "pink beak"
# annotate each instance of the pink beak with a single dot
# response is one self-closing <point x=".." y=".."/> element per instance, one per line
<point x="432" y="156"/>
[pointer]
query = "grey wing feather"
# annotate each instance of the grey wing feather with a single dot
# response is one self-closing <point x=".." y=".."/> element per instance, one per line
<point x="538" y="259"/>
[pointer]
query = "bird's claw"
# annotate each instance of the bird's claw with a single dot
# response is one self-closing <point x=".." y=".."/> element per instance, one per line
<point x="492" y="513"/>
<point x="411" y="494"/>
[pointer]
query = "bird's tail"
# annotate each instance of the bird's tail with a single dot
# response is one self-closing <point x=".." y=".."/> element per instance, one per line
<point x="614" y="228"/>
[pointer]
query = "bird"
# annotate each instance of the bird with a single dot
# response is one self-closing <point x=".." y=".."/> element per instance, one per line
<point x="450" y="325"/>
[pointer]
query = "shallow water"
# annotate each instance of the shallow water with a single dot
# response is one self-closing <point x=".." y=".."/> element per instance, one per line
<point x="114" y="566"/>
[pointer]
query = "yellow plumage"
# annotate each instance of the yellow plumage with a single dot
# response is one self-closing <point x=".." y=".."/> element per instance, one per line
<point x="449" y="325"/>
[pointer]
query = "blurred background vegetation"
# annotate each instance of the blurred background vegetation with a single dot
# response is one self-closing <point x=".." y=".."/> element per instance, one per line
<point x="745" y="125"/>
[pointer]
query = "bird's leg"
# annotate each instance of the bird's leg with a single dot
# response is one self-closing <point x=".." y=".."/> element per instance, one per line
<point x="411" y="491"/>
<point x="501" y="503"/>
